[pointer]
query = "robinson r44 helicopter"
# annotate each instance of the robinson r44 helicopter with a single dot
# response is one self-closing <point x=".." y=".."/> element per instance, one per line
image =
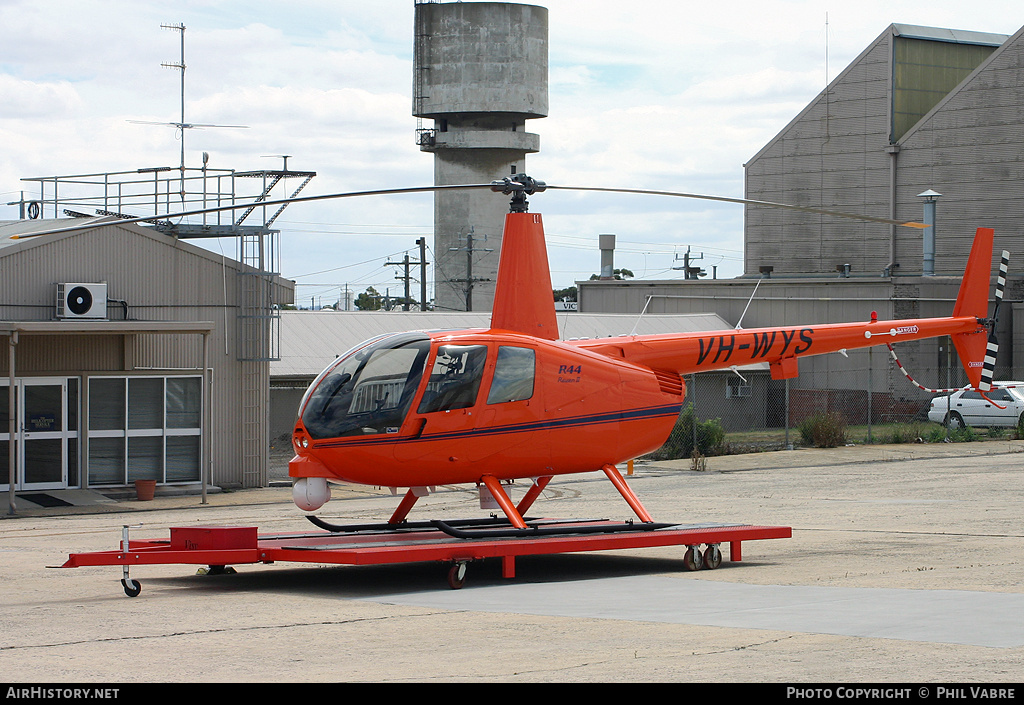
<point x="420" y="409"/>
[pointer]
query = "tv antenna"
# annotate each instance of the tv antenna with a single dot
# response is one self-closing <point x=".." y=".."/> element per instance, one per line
<point x="181" y="125"/>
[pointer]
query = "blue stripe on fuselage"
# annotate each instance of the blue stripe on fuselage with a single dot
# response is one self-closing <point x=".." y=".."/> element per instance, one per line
<point x="568" y="422"/>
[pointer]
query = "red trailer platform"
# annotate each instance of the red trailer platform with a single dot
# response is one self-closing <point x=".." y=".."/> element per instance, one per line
<point x="455" y="542"/>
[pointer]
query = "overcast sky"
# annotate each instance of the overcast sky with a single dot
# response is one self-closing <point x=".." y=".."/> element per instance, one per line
<point x="661" y="95"/>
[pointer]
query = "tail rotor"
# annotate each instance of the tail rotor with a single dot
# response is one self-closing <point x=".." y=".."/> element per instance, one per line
<point x="992" y="348"/>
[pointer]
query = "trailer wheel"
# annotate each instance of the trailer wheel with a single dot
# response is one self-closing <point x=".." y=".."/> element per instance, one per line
<point x="712" y="557"/>
<point x="132" y="588"/>
<point x="457" y="575"/>
<point x="692" y="558"/>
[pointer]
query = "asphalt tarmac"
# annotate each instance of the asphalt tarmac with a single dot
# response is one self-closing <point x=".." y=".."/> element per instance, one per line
<point x="904" y="567"/>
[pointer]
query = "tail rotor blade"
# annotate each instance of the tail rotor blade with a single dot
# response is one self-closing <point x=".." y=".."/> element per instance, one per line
<point x="992" y="348"/>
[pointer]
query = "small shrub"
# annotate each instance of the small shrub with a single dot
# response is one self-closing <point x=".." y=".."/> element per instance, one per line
<point x="823" y="430"/>
<point x="710" y="438"/>
<point x="964" y="435"/>
<point x="905" y="433"/>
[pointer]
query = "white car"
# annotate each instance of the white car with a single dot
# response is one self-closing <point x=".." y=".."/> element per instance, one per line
<point x="970" y="408"/>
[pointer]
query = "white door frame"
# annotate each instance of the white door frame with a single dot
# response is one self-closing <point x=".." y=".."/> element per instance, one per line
<point x="28" y="431"/>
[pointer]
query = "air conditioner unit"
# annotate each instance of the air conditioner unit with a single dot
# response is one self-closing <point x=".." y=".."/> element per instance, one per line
<point x="82" y="301"/>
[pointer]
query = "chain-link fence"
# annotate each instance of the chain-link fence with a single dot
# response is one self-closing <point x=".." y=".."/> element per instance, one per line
<point x="864" y="393"/>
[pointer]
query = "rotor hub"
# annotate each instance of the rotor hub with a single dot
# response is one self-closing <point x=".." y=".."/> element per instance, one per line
<point x="519" y="186"/>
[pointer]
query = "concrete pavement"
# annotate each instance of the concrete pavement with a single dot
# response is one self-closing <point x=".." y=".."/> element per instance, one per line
<point x="904" y="566"/>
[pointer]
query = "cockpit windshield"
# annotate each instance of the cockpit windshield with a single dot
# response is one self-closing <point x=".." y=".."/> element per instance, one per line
<point x="367" y="391"/>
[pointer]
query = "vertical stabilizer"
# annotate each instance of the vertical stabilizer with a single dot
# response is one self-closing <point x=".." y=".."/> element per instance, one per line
<point x="972" y="300"/>
<point x="523" y="301"/>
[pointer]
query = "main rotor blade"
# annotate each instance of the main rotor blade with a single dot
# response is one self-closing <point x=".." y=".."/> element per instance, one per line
<point x="457" y="187"/>
<point x="255" y="204"/>
<point x="744" y="201"/>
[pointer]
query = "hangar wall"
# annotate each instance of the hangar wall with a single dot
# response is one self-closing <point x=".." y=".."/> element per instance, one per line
<point x="863" y="147"/>
<point x="150" y="277"/>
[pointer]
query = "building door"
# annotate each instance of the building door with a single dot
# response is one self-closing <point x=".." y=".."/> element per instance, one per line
<point x="45" y="439"/>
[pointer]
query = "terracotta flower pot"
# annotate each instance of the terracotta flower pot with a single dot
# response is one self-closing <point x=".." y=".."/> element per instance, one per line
<point x="145" y="490"/>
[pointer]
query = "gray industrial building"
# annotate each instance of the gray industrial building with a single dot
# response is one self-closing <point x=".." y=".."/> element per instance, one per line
<point x="123" y="361"/>
<point x="481" y="71"/>
<point x="920" y="109"/>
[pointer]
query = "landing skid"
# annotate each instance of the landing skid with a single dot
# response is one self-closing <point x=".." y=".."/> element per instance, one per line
<point x="494" y="527"/>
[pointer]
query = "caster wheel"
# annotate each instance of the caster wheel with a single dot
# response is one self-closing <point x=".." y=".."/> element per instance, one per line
<point x="457" y="576"/>
<point x="712" y="557"/>
<point x="692" y="559"/>
<point x="132" y="588"/>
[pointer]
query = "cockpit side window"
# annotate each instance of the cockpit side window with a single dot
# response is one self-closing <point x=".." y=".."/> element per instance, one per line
<point x="514" y="373"/>
<point x="455" y="379"/>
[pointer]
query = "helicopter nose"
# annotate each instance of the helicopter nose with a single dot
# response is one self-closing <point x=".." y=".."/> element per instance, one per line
<point x="311" y="493"/>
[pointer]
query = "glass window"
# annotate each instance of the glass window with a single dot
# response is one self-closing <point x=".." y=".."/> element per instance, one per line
<point x="144" y="427"/>
<point x="106" y="461"/>
<point x="145" y="402"/>
<point x="43" y="405"/>
<point x="106" y="403"/>
<point x="184" y="402"/>
<point x="513" y="375"/>
<point x="183" y="454"/>
<point x="368" y="391"/>
<point x="72" y="403"/>
<point x="455" y="378"/>
<point x="145" y="458"/>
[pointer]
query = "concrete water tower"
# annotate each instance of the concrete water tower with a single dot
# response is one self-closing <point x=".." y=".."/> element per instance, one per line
<point x="481" y="71"/>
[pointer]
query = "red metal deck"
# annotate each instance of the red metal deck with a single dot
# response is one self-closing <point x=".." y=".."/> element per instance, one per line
<point x="225" y="546"/>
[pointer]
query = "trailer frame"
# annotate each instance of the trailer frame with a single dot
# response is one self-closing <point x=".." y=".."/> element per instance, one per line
<point x="220" y="547"/>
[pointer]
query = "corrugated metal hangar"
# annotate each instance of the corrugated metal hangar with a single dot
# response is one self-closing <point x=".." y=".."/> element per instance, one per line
<point x="920" y="109"/>
<point x="123" y="361"/>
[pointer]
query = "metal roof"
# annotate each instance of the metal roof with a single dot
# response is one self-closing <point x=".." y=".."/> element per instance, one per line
<point x="104" y="327"/>
<point x="957" y="36"/>
<point x="311" y="339"/>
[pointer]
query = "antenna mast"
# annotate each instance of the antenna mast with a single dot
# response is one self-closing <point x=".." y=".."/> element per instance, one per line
<point x="180" y="28"/>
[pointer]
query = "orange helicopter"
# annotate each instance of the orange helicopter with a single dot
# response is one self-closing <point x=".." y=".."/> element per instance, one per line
<point x="420" y="409"/>
<point x="487" y="407"/>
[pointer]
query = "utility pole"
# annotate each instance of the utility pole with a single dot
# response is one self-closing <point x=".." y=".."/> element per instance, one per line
<point x="406" y="263"/>
<point x="422" y="242"/>
<point x="688" y="271"/>
<point x="470" y="279"/>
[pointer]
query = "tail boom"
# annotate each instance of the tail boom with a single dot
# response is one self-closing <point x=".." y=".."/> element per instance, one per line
<point x="968" y="327"/>
<point x="686" y="353"/>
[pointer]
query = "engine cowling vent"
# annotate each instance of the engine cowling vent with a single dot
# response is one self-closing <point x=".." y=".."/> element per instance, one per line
<point x="670" y="382"/>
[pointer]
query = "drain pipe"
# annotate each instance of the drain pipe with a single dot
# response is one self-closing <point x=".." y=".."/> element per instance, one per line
<point x="893" y="151"/>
